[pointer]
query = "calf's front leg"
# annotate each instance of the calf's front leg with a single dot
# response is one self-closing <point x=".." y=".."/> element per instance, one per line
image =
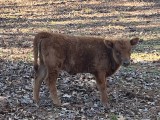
<point x="101" y="83"/>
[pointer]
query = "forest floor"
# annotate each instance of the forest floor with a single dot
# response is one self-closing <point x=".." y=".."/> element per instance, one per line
<point x="134" y="92"/>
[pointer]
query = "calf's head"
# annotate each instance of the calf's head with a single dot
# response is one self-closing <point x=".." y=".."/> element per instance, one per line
<point x="121" y="50"/>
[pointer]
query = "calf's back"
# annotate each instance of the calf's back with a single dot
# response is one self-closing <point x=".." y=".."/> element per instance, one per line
<point x="76" y="54"/>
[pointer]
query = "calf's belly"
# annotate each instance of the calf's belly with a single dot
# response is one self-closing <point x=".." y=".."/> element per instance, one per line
<point x="78" y="68"/>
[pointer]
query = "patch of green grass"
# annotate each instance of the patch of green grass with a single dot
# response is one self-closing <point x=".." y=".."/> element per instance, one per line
<point x="30" y="56"/>
<point x="113" y="117"/>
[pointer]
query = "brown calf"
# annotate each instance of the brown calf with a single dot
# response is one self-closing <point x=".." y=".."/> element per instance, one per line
<point x="74" y="54"/>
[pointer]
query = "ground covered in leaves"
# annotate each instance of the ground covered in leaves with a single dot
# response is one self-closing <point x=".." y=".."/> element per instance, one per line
<point x="134" y="92"/>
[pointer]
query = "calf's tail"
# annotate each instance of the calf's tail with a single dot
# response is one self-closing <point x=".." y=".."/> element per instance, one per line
<point x="35" y="53"/>
<point x="37" y="48"/>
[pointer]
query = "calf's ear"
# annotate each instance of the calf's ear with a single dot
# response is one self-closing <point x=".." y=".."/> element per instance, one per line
<point x="108" y="43"/>
<point x="134" y="41"/>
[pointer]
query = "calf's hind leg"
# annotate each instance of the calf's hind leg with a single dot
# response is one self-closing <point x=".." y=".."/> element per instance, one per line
<point x="51" y="82"/>
<point x="39" y="77"/>
<point x="53" y="65"/>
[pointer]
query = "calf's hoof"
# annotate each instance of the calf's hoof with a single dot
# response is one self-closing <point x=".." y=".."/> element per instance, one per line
<point x="57" y="103"/>
<point x="106" y="104"/>
<point x="35" y="99"/>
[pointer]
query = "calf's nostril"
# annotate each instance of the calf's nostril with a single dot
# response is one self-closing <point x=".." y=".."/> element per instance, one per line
<point x="126" y="63"/>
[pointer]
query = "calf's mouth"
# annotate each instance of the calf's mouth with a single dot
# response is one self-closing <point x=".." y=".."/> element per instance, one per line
<point x="126" y="63"/>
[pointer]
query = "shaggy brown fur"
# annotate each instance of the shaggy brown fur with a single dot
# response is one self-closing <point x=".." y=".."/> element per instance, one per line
<point x="75" y="54"/>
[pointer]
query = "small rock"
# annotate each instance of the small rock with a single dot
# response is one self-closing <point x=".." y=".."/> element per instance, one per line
<point x="66" y="95"/>
<point x="65" y="104"/>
